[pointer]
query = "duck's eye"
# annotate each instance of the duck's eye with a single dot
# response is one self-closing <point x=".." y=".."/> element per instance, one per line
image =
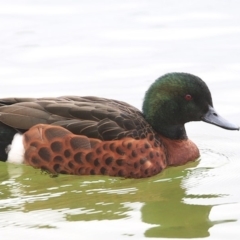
<point x="188" y="97"/>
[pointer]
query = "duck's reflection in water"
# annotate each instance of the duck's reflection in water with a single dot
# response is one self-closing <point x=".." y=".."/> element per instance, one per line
<point x="176" y="218"/>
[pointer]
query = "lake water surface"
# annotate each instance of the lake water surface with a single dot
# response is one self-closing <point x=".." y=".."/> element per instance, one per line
<point x="116" y="49"/>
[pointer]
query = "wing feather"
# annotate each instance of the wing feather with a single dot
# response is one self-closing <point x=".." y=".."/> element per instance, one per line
<point x="93" y="117"/>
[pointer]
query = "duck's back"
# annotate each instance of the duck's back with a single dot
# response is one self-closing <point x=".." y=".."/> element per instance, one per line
<point x="94" y="117"/>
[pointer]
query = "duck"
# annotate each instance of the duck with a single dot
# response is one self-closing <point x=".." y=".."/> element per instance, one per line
<point x="98" y="136"/>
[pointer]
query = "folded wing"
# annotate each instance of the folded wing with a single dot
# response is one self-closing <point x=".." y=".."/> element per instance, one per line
<point x="93" y="117"/>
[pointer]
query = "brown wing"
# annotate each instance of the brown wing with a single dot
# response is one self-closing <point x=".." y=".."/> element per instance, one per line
<point x="90" y="116"/>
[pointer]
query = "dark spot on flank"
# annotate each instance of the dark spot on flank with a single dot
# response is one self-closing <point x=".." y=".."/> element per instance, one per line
<point x="103" y="170"/>
<point x="56" y="167"/>
<point x="58" y="159"/>
<point x="92" y="172"/>
<point x="146" y="145"/>
<point x="57" y="146"/>
<point x="134" y="153"/>
<point x="120" y="151"/>
<point x="121" y="173"/>
<point x="78" y="158"/>
<point x="143" y="160"/>
<point x="71" y="165"/>
<point x="151" y="155"/>
<point x="89" y="157"/>
<point x="120" y="162"/>
<point x="112" y="146"/>
<point x="156" y="144"/>
<point x="67" y="153"/>
<point x="105" y="146"/>
<point x="129" y="145"/>
<point x="98" y="150"/>
<point x="96" y="162"/>
<point x="81" y="170"/>
<point x="109" y="160"/>
<point x="35" y="160"/>
<point x="136" y="165"/>
<point x="45" y="154"/>
<point x="157" y="154"/>
<point x="146" y="171"/>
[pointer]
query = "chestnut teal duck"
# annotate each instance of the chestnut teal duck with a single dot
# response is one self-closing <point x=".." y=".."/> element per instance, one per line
<point x="99" y="136"/>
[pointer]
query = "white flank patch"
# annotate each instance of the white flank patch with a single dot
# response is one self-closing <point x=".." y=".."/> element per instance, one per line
<point x="17" y="150"/>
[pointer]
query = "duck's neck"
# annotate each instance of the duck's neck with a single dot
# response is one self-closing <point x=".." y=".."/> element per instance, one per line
<point x="179" y="152"/>
<point x="175" y="132"/>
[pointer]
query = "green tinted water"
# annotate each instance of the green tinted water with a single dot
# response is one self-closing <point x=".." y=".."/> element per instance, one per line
<point x="178" y="203"/>
<point x="157" y="201"/>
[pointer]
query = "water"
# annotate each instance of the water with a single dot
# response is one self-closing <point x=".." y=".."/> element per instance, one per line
<point x="115" y="50"/>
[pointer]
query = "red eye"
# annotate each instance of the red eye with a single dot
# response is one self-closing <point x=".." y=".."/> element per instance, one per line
<point x="188" y="97"/>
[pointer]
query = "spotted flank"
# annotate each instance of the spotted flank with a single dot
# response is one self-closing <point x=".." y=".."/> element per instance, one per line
<point x="98" y="136"/>
<point x="57" y="150"/>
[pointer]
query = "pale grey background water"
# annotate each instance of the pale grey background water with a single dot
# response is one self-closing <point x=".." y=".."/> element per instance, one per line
<point x="115" y="49"/>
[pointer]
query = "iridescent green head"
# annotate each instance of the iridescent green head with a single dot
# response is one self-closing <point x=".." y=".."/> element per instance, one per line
<point x="177" y="98"/>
